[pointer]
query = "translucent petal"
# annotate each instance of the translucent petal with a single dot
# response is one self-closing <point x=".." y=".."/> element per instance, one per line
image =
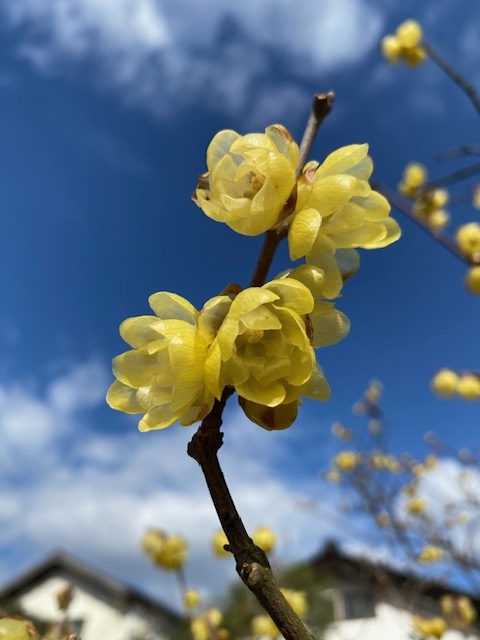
<point x="330" y="194"/>
<point x="212" y="315"/>
<point x="284" y="143"/>
<point x="329" y="325"/>
<point x="153" y="396"/>
<point x="318" y="388"/>
<point x="274" y="369"/>
<point x="212" y="367"/>
<point x="124" y="398"/>
<point x="139" y="369"/>
<point x="293" y="328"/>
<point x="368" y="233"/>
<point x="251" y="298"/>
<point x="393" y="233"/>
<point x="251" y="143"/>
<point x="375" y="206"/>
<point x="271" y="395"/>
<point x="235" y="371"/>
<point x="302" y="233"/>
<point x="172" y="306"/>
<point x="158" y="418"/>
<point x="220" y="146"/>
<point x="186" y="360"/>
<point x="270" y="418"/>
<point x="343" y="159"/>
<point x="138" y="331"/>
<point x="310" y="276"/>
<point x="185" y="394"/>
<point x="260" y="319"/>
<point x="293" y="294"/>
<point x="333" y="278"/>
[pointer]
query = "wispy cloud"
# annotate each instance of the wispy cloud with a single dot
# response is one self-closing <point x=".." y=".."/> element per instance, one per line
<point x="167" y="55"/>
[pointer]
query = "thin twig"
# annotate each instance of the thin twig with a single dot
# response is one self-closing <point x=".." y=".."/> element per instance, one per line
<point x="458" y="152"/>
<point x="321" y="107"/>
<point x="453" y="178"/>
<point x="401" y="205"/>
<point x="456" y="76"/>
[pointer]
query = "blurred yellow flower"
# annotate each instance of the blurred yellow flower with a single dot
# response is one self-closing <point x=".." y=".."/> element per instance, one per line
<point x="405" y="44"/>
<point x="444" y="383"/>
<point x="250" y="179"/>
<point x="414" y="176"/>
<point x="472" y="280"/>
<point x="416" y="505"/>
<point x="219" y="540"/>
<point x="265" y="538"/>
<point x="15" y="629"/>
<point x="468" y="386"/>
<point x="429" y="627"/>
<point x="430" y="554"/>
<point x="458" y="610"/>
<point x="297" y="600"/>
<point x="263" y="626"/>
<point x="167" y="552"/>
<point x="191" y="599"/>
<point x="384" y="462"/>
<point x="468" y="239"/>
<point x="347" y="460"/>
<point x="205" y="626"/>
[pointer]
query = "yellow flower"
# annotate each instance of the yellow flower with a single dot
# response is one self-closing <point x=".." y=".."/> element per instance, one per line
<point x="250" y="179"/>
<point x="191" y="599"/>
<point x="347" y="460"/>
<point x="429" y="627"/>
<point x="265" y="538"/>
<point x="297" y="600"/>
<point x="219" y="540"/>
<point x="405" y="44"/>
<point x="416" y="505"/>
<point x="444" y="383"/>
<point x="468" y="239"/>
<point x="414" y="176"/>
<point x="167" y="552"/>
<point x="337" y="209"/>
<point x="163" y="375"/>
<point x="263" y="626"/>
<point x="438" y="219"/>
<point x="430" y="554"/>
<point x="472" y="280"/>
<point x="468" y="387"/>
<point x="205" y="626"/>
<point x="262" y="348"/>
<point x="384" y="462"/>
<point x="14" y="629"/>
<point x="458" y="610"/>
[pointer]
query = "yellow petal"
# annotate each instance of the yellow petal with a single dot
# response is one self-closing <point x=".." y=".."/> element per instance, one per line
<point x="303" y="232"/>
<point x="138" y="331"/>
<point x="123" y="398"/>
<point x="292" y="294"/>
<point x="329" y="325"/>
<point x="172" y="306"/>
<point x="318" y="388"/>
<point x="392" y="233"/>
<point x="220" y="146"/>
<point x="343" y="160"/>
<point x="270" y="418"/>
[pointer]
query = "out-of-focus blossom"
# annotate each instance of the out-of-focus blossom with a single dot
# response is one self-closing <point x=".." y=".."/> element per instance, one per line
<point x="265" y="538"/>
<point x="405" y="44"/>
<point x="167" y="552"/>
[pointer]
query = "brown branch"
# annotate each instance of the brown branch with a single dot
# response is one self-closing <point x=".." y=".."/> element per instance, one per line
<point x="401" y="205"/>
<point x="454" y="177"/>
<point x="458" y="152"/>
<point x="321" y="107"/>
<point x="251" y="562"/>
<point x="460" y="80"/>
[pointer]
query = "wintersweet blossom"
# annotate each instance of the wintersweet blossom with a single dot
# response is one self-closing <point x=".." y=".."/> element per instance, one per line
<point x="444" y="383"/>
<point x="297" y="600"/>
<point x="405" y="44"/>
<point x="250" y="180"/>
<point x="468" y="386"/>
<point x="264" y="627"/>
<point x="219" y="540"/>
<point x="430" y="554"/>
<point x="163" y="375"/>
<point x="191" y="599"/>
<point x="167" y="552"/>
<point x="347" y="460"/>
<point x="416" y="505"/>
<point x="336" y="210"/>
<point x="468" y="239"/>
<point x="414" y="176"/>
<point x="16" y="629"/>
<point x="206" y="625"/>
<point x="265" y="538"/>
<point x="472" y="280"/>
<point x="429" y="627"/>
<point x="262" y="348"/>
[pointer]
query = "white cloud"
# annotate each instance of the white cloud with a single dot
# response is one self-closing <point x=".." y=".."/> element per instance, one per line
<point x="163" y="55"/>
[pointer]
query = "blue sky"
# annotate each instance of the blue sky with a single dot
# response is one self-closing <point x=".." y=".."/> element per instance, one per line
<point x="106" y="110"/>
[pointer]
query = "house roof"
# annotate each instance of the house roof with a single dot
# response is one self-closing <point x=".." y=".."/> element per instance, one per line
<point x="123" y="595"/>
<point x="333" y="561"/>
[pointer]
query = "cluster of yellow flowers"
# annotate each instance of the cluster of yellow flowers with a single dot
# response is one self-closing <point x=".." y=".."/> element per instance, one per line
<point x="447" y="383"/>
<point x="206" y="626"/>
<point x="416" y="505"/>
<point x="428" y="203"/>
<point x="385" y="462"/>
<point x="264" y="627"/>
<point x="259" y="341"/>
<point x="458" y="610"/>
<point x="429" y="627"/>
<point x="468" y="240"/>
<point x="430" y="554"/>
<point x="167" y="552"/>
<point x="347" y="460"/>
<point x="405" y="44"/>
